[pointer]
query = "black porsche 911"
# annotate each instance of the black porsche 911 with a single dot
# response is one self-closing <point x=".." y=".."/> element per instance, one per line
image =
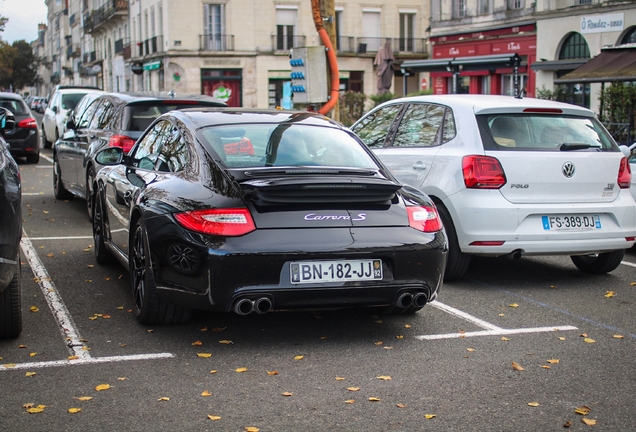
<point x="257" y="210"/>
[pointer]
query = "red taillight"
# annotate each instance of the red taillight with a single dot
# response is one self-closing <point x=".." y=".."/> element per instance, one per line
<point x="229" y="222"/>
<point x="28" y="123"/>
<point x="482" y="172"/>
<point x="126" y="143"/>
<point x="424" y="218"/>
<point x="488" y="243"/>
<point x="543" y="110"/>
<point x="624" y="174"/>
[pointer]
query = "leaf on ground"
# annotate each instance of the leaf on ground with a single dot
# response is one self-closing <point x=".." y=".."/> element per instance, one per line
<point x="378" y="321"/>
<point x="561" y="338"/>
<point x="22" y="346"/>
<point x="589" y="340"/>
<point x="407" y="326"/>
<point x="203" y="329"/>
<point x="384" y="377"/>
<point x="204" y="355"/>
<point x="73" y="357"/>
<point x="354" y="389"/>
<point x="588" y="421"/>
<point x="583" y="334"/>
<point x="102" y="387"/>
<point x="545" y="367"/>
<point x="287" y="393"/>
<point x="339" y="378"/>
<point x="517" y="366"/>
<point x="503" y="338"/>
<point x="206" y="393"/>
<point x="74" y="410"/>
<point x="583" y="410"/>
<point x="197" y="343"/>
<point x="241" y="369"/>
<point x="388" y="348"/>
<point x="251" y="429"/>
<point x="213" y="371"/>
<point x="120" y="307"/>
<point x="349" y="401"/>
<point x="272" y="372"/>
<point x="567" y="424"/>
<point x="470" y="349"/>
<point x="501" y="315"/>
<point x="225" y="342"/>
<point x="429" y="416"/>
<point x="378" y="343"/>
<point x="36" y="410"/>
<point x="298" y="357"/>
<point x="513" y="305"/>
<point x="84" y="398"/>
<point x="33" y="354"/>
<point x="401" y="405"/>
<point x="149" y="330"/>
<point x="609" y="294"/>
<point x="163" y="399"/>
<point x="619" y="337"/>
<point x="218" y="329"/>
<point x="374" y="399"/>
<point x="122" y="379"/>
<point x="29" y="374"/>
<point x="533" y="404"/>
<point x="10" y="365"/>
<point x="34" y="309"/>
<point x="214" y="417"/>
<point x="399" y="337"/>
<point x="553" y="361"/>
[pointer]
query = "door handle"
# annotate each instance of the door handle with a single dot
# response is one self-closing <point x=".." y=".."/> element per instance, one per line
<point x="419" y="166"/>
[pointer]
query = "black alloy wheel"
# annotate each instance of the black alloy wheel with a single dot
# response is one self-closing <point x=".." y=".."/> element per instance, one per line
<point x="45" y="142"/>
<point x="90" y="178"/>
<point x="11" y="310"/>
<point x="599" y="263"/>
<point x="102" y="255"/>
<point x="457" y="262"/>
<point x="58" y="188"/>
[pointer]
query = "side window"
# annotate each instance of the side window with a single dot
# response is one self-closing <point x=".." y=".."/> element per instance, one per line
<point x="106" y="112"/>
<point x="421" y="126"/>
<point x="85" y="119"/>
<point x="55" y="100"/>
<point x="375" y="127"/>
<point x="450" y="131"/>
<point x="96" y="120"/>
<point x="174" y="154"/>
<point x="148" y="149"/>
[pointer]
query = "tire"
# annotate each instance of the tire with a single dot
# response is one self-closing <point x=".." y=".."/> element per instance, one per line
<point x="33" y="158"/>
<point x="598" y="263"/>
<point x="102" y="255"/>
<point x="148" y="307"/>
<point x="58" y="188"/>
<point x="11" y="309"/>
<point x="90" y="178"/>
<point x="45" y="142"/>
<point x="457" y="262"/>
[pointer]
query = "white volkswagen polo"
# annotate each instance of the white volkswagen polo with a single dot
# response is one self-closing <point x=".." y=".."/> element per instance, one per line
<point x="511" y="176"/>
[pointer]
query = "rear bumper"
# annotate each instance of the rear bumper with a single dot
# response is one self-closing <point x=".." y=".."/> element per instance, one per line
<point x="24" y="146"/>
<point x="258" y="265"/>
<point x="482" y="216"/>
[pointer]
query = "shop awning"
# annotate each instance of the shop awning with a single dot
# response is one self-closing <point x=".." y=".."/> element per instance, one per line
<point x="464" y="63"/>
<point x="558" y="65"/>
<point x="612" y="64"/>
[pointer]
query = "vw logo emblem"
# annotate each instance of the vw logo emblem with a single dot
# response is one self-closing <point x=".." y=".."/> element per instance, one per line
<point x="568" y="169"/>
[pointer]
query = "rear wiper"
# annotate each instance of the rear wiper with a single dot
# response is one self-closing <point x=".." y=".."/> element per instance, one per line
<point x="577" y="146"/>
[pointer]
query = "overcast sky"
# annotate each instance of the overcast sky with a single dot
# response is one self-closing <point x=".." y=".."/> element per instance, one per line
<point x="24" y="17"/>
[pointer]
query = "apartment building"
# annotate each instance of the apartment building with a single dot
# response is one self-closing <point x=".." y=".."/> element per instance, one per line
<point x="235" y="50"/>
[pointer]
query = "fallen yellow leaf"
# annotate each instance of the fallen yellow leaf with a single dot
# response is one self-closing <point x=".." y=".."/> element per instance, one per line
<point x="120" y="307"/>
<point x="349" y="401"/>
<point x="30" y="374"/>
<point x="102" y="387"/>
<point x="298" y="357"/>
<point x="583" y="410"/>
<point x="122" y="379"/>
<point x="514" y="305"/>
<point x="384" y="377"/>
<point x="589" y="340"/>
<point x="213" y="417"/>
<point x="517" y="366"/>
<point x="36" y="410"/>
<point x="206" y="393"/>
<point x="251" y="429"/>
<point x="74" y="410"/>
<point x="553" y="361"/>
<point x="399" y="337"/>
<point x="339" y="378"/>
<point x="10" y="365"/>
<point x="401" y="405"/>
<point x="226" y="342"/>
<point x="504" y="339"/>
<point x="73" y="357"/>
<point x="545" y="367"/>
<point x="378" y="343"/>
<point x="33" y="354"/>
<point x="34" y="308"/>
<point x="588" y="421"/>
<point x="609" y="294"/>
<point x="163" y="399"/>
<point x="533" y="404"/>
<point x="213" y="371"/>
<point x="470" y="349"/>
<point x="197" y="343"/>
<point x="287" y="393"/>
<point x="429" y="416"/>
<point x="272" y="372"/>
<point x="204" y="355"/>
<point x="84" y="398"/>
<point x="353" y="388"/>
<point x="374" y="399"/>
<point x="561" y="338"/>
<point x="241" y="369"/>
<point x="619" y="337"/>
<point x="502" y="315"/>
<point x="22" y="346"/>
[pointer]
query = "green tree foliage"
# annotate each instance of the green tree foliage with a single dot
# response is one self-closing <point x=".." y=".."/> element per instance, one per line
<point x="351" y="107"/>
<point x="18" y="65"/>
<point x="618" y="101"/>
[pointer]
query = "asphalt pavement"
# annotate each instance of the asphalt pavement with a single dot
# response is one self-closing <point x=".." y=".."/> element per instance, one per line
<point x="516" y="346"/>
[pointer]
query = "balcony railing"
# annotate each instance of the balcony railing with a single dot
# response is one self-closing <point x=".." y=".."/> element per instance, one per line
<point x="149" y="46"/>
<point x="211" y="42"/>
<point x="73" y="51"/>
<point x="110" y="9"/>
<point x="398" y="45"/>
<point x="287" y="43"/>
<point x="564" y="4"/>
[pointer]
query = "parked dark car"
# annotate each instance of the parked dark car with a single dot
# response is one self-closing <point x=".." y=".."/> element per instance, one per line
<point x="113" y="119"/>
<point x="23" y="139"/>
<point x="10" y="235"/>
<point x="258" y="210"/>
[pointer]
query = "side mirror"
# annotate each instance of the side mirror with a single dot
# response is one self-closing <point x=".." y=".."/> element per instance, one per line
<point x="110" y="156"/>
<point x="54" y="109"/>
<point x="7" y="120"/>
<point x="70" y="124"/>
<point x="625" y="150"/>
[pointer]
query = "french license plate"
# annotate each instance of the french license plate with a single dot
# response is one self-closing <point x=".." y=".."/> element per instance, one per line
<point x="571" y="222"/>
<point x="335" y="271"/>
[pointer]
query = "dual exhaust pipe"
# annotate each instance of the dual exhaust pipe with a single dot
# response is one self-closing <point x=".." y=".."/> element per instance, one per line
<point x="406" y="300"/>
<point x="246" y="306"/>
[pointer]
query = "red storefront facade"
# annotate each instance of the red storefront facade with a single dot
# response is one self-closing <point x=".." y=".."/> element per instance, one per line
<point x="485" y="78"/>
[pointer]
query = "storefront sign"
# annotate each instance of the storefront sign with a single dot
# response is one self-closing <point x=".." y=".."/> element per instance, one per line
<point x="137" y="68"/>
<point x="602" y="23"/>
<point x="152" y="65"/>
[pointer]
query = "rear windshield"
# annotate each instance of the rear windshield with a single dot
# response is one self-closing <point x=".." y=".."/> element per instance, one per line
<point x="69" y="100"/>
<point x="262" y="145"/>
<point x="139" y="116"/>
<point x="15" y="106"/>
<point x="543" y="132"/>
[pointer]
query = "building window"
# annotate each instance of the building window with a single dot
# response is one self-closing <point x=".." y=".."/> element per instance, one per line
<point x="285" y="24"/>
<point x="515" y="4"/>
<point x="407" y="33"/>
<point x="483" y="7"/>
<point x="214" y="15"/>
<point x="338" y="29"/>
<point x="460" y="8"/>
<point x="630" y="36"/>
<point x="370" y="40"/>
<point x="574" y="47"/>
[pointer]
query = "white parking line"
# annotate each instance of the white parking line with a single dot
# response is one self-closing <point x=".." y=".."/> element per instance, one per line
<point x="628" y="264"/>
<point x="491" y="330"/>
<point x="65" y="322"/>
<point x="43" y="156"/>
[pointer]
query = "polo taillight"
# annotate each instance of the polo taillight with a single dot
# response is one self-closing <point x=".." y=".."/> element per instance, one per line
<point x="122" y="141"/>
<point x="624" y="174"/>
<point x="229" y="222"/>
<point x="424" y="218"/>
<point x="28" y="123"/>
<point x="482" y="172"/>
